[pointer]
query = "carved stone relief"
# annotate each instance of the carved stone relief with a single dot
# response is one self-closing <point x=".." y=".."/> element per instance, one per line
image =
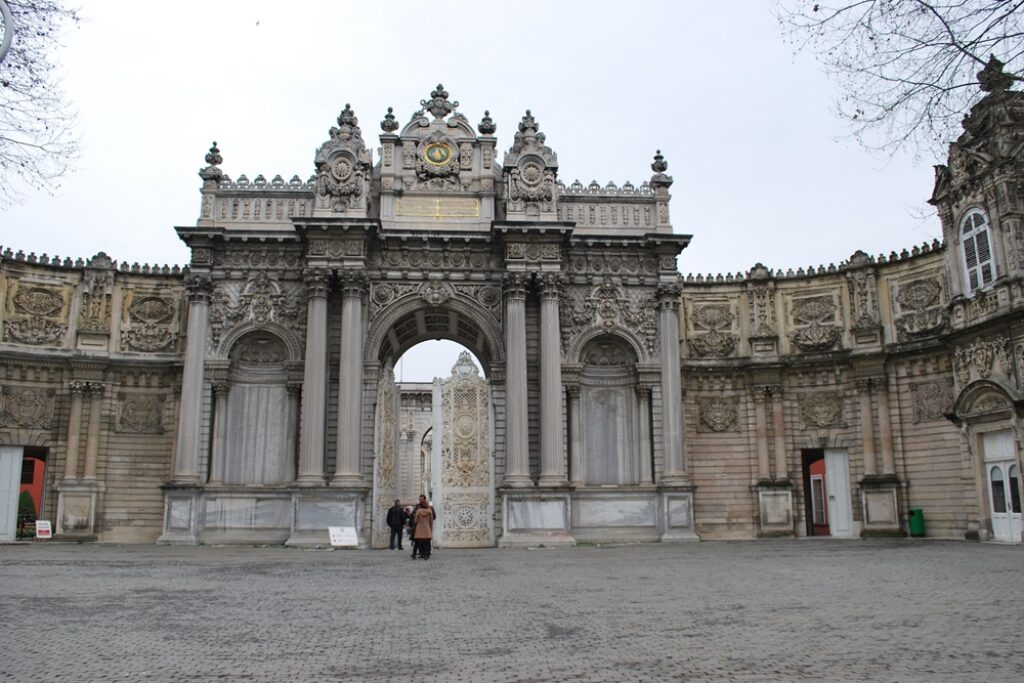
<point x="36" y="316"/>
<point x="386" y="451"/>
<point x="342" y="167"/>
<point x="260" y="300"/>
<point x="717" y="414"/>
<point x="259" y="257"/>
<point x="762" y="310"/>
<point x="609" y="306"/>
<point x="980" y="359"/>
<point x="26" y="408"/>
<point x="932" y="400"/>
<point x="141" y="414"/>
<point x="94" y="315"/>
<point x="821" y="410"/>
<point x="813" y="317"/>
<point x="863" y="298"/>
<point x="717" y="340"/>
<point x="149" y="323"/>
<point x="920" y="309"/>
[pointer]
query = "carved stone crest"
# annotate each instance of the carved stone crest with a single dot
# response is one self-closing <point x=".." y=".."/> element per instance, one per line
<point x="717" y="414"/>
<point x="717" y="341"/>
<point x="141" y="415"/>
<point x="151" y="324"/>
<point x="814" y="314"/>
<point x="821" y="410"/>
<point x="922" y="312"/>
<point x="25" y="408"/>
<point x="932" y="400"/>
<point x="37" y="317"/>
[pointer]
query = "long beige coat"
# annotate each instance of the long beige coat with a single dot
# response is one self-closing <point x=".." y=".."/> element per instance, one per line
<point x="423" y="524"/>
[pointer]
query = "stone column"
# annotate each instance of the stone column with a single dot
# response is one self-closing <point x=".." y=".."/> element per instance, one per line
<point x="867" y="429"/>
<point x="92" y="439"/>
<point x="314" y="382"/>
<point x="885" y="430"/>
<point x="671" y="384"/>
<point x="74" y="430"/>
<point x="643" y="402"/>
<point x="760" y="396"/>
<point x="552" y="456"/>
<point x="294" y="390"/>
<point x="575" y="436"/>
<point x="350" y="381"/>
<point x="220" y="431"/>
<point x="517" y="465"/>
<point x="779" y="427"/>
<point x="186" y="460"/>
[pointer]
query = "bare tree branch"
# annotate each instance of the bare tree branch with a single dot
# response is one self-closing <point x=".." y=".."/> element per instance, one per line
<point x="37" y="140"/>
<point x="906" y="69"/>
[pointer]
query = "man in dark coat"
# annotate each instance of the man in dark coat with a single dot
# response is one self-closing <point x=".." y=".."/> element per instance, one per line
<point x="396" y="522"/>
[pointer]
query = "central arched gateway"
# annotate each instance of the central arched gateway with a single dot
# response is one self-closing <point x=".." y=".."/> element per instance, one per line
<point x="568" y="295"/>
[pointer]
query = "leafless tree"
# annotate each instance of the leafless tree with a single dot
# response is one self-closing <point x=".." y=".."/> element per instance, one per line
<point x="907" y="69"/>
<point x="37" y="139"/>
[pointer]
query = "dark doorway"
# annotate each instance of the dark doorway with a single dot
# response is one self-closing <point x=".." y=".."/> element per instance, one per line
<point x="815" y="493"/>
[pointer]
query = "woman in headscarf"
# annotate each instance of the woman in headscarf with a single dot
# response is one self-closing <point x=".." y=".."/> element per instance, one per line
<point x="422" y="529"/>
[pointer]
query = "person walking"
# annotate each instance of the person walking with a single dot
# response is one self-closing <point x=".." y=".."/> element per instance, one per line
<point x="396" y="522"/>
<point x="423" y="529"/>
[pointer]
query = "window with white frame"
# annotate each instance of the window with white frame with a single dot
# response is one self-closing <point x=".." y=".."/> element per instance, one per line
<point x="979" y="269"/>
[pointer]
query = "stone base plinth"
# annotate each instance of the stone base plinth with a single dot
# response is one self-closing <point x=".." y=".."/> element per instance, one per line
<point x="76" y="509"/>
<point x="676" y="520"/>
<point x="880" y="501"/>
<point x="536" y="518"/>
<point x="775" y="508"/>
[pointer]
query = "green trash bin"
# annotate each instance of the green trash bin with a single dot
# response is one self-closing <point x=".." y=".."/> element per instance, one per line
<point x="916" y="522"/>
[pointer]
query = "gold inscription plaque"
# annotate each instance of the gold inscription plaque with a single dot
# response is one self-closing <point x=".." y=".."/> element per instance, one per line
<point x="438" y="207"/>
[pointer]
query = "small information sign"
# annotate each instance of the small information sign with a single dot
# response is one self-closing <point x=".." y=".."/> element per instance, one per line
<point x="43" y="529"/>
<point x="343" y="536"/>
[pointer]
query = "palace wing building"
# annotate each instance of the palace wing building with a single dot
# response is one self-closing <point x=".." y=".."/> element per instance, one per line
<point x="250" y="396"/>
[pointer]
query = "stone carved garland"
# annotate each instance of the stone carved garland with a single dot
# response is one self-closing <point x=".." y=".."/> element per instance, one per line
<point x="821" y="410"/>
<point x="151" y="320"/>
<point x="814" y="314"/>
<point x="717" y="414"/>
<point x="260" y="300"/>
<point x="141" y="415"/>
<point x="978" y="360"/>
<point x="37" y="317"/>
<point x="26" y="408"/>
<point x="920" y="302"/>
<point x="932" y="400"/>
<point x="609" y="306"/>
<point x="717" y="341"/>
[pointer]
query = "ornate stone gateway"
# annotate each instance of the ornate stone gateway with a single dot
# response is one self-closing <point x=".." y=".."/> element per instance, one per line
<point x="463" y="476"/>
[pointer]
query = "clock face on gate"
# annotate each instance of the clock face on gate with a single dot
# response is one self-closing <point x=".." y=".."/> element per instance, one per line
<point x="437" y="153"/>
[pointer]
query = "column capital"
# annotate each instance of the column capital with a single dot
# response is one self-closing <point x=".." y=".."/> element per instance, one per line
<point x="317" y="282"/>
<point x="78" y="387"/>
<point x="550" y="285"/>
<point x="96" y="389"/>
<point x="294" y="389"/>
<point x="515" y="285"/>
<point x="353" y="283"/>
<point x="760" y="393"/>
<point x="643" y="391"/>
<point x="198" y="287"/>
<point x="863" y="385"/>
<point x="668" y="295"/>
<point x="221" y="389"/>
<point x="573" y="391"/>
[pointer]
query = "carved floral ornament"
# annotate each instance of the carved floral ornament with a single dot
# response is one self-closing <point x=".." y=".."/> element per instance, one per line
<point x="609" y="306"/>
<point x="821" y="410"/>
<point x="717" y="414"/>
<point x="258" y="301"/>
<point x="813" y="316"/>
<point x="922" y="312"/>
<point x="37" y="316"/>
<point x="26" y="408"/>
<point x="980" y="359"/>
<point x="150" y="324"/>
<point x="716" y="340"/>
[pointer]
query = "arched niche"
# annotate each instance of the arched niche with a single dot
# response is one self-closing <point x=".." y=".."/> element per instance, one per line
<point x="609" y="415"/>
<point x="259" y="430"/>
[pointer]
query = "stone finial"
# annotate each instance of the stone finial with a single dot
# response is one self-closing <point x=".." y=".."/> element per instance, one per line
<point x="101" y="260"/>
<point x="992" y="78"/>
<point x="347" y="117"/>
<point x="438" y="104"/>
<point x="528" y="126"/>
<point x="389" y="124"/>
<point x="213" y="157"/>
<point x="486" y="126"/>
<point x="659" y="165"/>
<point x="348" y="126"/>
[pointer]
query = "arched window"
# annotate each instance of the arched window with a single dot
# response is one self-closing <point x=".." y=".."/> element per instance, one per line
<point x="979" y="269"/>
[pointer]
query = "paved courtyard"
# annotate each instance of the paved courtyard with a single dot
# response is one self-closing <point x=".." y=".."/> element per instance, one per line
<point x="745" y="611"/>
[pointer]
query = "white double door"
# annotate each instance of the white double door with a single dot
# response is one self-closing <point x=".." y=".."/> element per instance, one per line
<point x="1002" y="476"/>
<point x="10" y="483"/>
<point x="837" y="484"/>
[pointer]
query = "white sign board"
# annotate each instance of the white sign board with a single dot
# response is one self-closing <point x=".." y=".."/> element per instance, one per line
<point x="43" y="529"/>
<point x="343" y="536"/>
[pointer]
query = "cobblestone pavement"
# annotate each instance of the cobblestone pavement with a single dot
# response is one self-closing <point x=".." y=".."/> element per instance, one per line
<point x="745" y="611"/>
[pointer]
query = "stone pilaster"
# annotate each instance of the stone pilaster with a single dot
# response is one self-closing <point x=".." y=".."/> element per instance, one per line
<point x="575" y="435"/>
<point x="867" y="429"/>
<point x="885" y="431"/>
<point x="760" y="396"/>
<point x="314" y="383"/>
<point x="186" y="460"/>
<point x="552" y="457"/>
<point x="671" y="384"/>
<point x="517" y="466"/>
<point x="92" y="438"/>
<point x="78" y="389"/>
<point x="220" y="431"/>
<point x="350" y="381"/>
<point x="779" y="430"/>
<point x="643" y="402"/>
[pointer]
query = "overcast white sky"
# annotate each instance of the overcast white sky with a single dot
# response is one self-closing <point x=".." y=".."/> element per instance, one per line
<point x="761" y="173"/>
